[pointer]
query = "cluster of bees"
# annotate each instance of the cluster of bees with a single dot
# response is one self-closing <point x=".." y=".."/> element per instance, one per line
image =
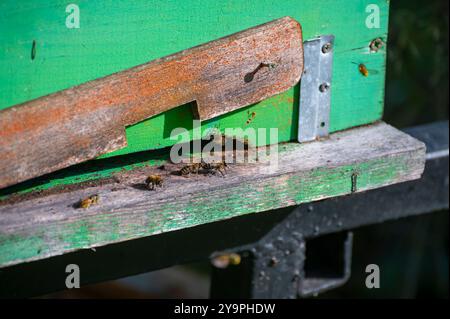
<point x="208" y="168"/>
<point x="153" y="181"/>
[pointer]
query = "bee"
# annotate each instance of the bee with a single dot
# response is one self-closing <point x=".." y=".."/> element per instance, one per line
<point x="88" y="201"/>
<point x="376" y="44"/>
<point x="153" y="181"/>
<point x="215" y="167"/>
<point x="190" y="168"/>
<point x="223" y="261"/>
<point x="364" y="70"/>
<point x="252" y="116"/>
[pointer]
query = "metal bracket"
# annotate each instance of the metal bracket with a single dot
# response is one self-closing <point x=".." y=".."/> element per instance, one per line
<point x="315" y="89"/>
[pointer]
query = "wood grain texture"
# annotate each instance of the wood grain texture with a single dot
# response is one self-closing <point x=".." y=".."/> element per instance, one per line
<point x="114" y="36"/>
<point x="351" y="161"/>
<point x="83" y="122"/>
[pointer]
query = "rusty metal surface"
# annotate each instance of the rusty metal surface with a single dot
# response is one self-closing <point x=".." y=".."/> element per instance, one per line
<point x="83" y="122"/>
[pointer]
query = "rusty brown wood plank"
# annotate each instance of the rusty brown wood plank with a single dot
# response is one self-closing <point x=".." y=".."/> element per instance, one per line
<point x="88" y="120"/>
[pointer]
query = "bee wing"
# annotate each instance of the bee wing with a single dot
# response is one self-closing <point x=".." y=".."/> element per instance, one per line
<point x="373" y="71"/>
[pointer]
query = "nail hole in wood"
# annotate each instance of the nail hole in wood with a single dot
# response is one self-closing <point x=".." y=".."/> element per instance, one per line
<point x="354" y="182"/>
<point x="33" y="50"/>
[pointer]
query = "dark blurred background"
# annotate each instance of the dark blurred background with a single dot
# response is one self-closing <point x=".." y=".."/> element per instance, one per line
<point x="417" y="69"/>
<point x="412" y="253"/>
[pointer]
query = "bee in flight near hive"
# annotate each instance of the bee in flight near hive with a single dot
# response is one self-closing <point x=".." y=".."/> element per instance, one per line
<point x="154" y="181"/>
<point x="364" y="70"/>
<point x="88" y="201"/>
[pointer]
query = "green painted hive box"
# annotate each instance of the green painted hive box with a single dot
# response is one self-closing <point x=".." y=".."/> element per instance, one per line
<point x="40" y="55"/>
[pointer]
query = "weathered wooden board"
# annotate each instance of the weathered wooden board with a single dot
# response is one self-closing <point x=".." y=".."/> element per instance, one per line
<point x="115" y="35"/>
<point x="350" y="161"/>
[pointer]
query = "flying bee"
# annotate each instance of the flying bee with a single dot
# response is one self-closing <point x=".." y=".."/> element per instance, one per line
<point x="88" y="201"/>
<point x="153" y="181"/>
<point x="189" y="169"/>
<point x="364" y="70"/>
<point x="223" y="261"/>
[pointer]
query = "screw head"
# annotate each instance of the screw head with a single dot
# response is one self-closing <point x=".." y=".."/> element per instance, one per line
<point x="327" y="47"/>
<point x="273" y="261"/>
<point x="376" y="44"/>
<point x="324" y="87"/>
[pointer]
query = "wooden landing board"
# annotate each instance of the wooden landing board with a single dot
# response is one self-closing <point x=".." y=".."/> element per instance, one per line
<point x="114" y="36"/>
<point x="350" y="161"/>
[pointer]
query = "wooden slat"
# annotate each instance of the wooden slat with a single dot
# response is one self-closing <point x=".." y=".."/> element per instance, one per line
<point x="350" y="161"/>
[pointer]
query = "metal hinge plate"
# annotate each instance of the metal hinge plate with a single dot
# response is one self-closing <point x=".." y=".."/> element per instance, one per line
<point x="315" y="89"/>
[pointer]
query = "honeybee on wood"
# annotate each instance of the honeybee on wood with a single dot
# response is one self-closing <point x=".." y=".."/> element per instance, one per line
<point x="89" y="201"/>
<point x="153" y="181"/>
<point x="204" y="168"/>
<point x="190" y="168"/>
<point x="215" y="167"/>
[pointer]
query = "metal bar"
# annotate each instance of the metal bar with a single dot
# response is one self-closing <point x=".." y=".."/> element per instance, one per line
<point x="315" y="89"/>
<point x="245" y="233"/>
<point x="281" y="266"/>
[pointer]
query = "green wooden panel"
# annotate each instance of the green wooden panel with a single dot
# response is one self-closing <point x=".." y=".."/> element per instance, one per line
<point x="115" y="35"/>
